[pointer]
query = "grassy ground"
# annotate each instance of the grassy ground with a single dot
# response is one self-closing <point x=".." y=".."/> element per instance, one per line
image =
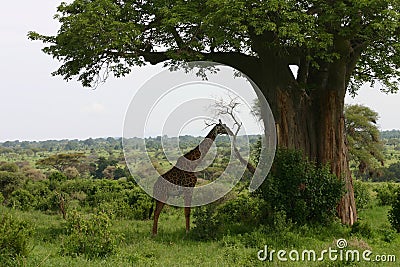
<point x="172" y="247"/>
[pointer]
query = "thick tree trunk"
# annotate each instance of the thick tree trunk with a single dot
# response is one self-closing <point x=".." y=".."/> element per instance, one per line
<point x="312" y="120"/>
<point x="308" y="111"/>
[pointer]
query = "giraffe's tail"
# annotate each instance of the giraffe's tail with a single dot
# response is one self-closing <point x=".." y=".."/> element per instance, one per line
<point x="152" y="208"/>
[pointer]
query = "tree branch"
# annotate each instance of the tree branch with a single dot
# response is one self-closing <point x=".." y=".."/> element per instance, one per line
<point x="154" y="57"/>
<point x="237" y="60"/>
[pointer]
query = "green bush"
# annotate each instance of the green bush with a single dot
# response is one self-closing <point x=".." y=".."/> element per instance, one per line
<point x="386" y="194"/>
<point x="89" y="236"/>
<point x="394" y="213"/>
<point x="242" y="209"/>
<point x="14" y="239"/>
<point x="361" y="194"/>
<point x="43" y="195"/>
<point x="362" y="229"/>
<point x="55" y="179"/>
<point x="1" y="199"/>
<point x="387" y="233"/>
<point x="22" y="199"/>
<point x="296" y="192"/>
<point x="237" y="215"/>
<point x="10" y="181"/>
<point x="139" y="203"/>
<point x="305" y="192"/>
<point x="206" y="222"/>
<point x="9" y="167"/>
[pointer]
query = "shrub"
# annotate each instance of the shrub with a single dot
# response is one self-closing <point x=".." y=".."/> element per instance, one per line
<point x="237" y="215"/>
<point x="71" y="172"/>
<point x="388" y="234"/>
<point x="361" y="194"/>
<point x="394" y="213"/>
<point x="14" y="239"/>
<point x="56" y="178"/>
<point x="22" y="199"/>
<point x="242" y="209"/>
<point x="305" y="192"/>
<point x="206" y="222"/>
<point x="89" y="236"/>
<point x="9" y="167"/>
<point x="362" y="229"/>
<point x="1" y="199"/>
<point x="139" y="203"/>
<point x="10" y="181"/>
<point x="386" y="194"/>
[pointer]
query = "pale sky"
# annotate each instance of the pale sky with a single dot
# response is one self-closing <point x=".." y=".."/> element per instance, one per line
<point x="36" y="106"/>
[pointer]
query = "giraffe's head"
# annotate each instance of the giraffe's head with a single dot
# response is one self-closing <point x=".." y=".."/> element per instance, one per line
<point x="221" y="128"/>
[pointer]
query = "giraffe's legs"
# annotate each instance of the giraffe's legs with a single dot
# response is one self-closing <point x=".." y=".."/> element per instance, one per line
<point x="187" y="217"/>
<point x="188" y="201"/>
<point x="157" y="211"/>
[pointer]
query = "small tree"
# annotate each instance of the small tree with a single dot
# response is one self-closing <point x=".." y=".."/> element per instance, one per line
<point x="62" y="161"/>
<point x="364" y="143"/>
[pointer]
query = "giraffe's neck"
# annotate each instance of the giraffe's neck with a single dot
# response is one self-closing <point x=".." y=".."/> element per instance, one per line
<point x="193" y="158"/>
<point x="200" y="151"/>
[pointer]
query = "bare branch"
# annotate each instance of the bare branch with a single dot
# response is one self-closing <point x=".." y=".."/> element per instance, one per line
<point x="229" y="108"/>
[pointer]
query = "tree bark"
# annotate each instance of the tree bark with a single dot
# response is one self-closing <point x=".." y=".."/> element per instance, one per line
<point x="309" y="117"/>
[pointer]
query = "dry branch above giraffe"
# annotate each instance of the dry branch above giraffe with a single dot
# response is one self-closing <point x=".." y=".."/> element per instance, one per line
<point x="182" y="175"/>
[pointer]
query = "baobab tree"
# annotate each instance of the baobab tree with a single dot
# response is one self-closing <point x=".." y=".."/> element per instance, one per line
<point x="336" y="45"/>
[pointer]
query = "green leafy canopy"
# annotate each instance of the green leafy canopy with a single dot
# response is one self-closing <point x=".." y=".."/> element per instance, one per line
<point x="362" y="133"/>
<point x="98" y="37"/>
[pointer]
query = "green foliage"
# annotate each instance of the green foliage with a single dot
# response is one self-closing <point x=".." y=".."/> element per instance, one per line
<point x="305" y="192"/>
<point x="193" y="30"/>
<point x="89" y="236"/>
<point x="101" y="164"/>
<point x="15" y="235"/>
<point x="22" y="199"/>
<point x="239" y="214"/>
<point x="395" y="134"/>
<point x="172" y="247"/>
<point x="56" y="179"/>
<point x="388" y="234"/>
<point x="394" y="213"/>
<point x="1" y="199"/>
<point x="365" y="146"/>
<point x="242" y="209"/>
<point x="57" y="176"/>
<point x="44" y="193"/>
<point x="139" y="204"/>
<point x="386" y="193"/>
<point x="297" y="191"/>
<point x="255" y="151"/>
<point x="206" y="222"/>
<point x="361" y="194"/>
<point x="10" y="181"/>
<point x="9" y="167"/>
<point x="62" y="161"/>
<point x="361" y="229"/>
<point x="392" y="173"/>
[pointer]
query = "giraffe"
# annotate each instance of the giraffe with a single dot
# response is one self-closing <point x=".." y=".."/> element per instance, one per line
<point x="183" y="174"/>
